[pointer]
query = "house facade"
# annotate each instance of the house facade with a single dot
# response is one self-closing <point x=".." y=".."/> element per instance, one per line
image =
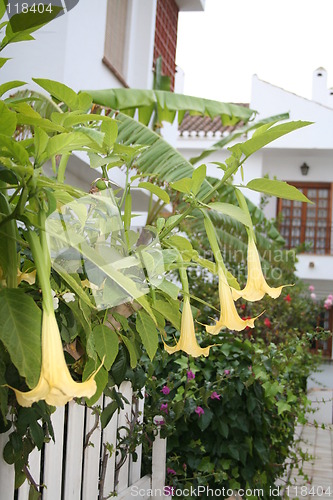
<point x="100" y="45"/>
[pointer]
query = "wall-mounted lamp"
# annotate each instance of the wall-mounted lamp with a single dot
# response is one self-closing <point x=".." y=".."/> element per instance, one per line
<point x="305" y="168"/>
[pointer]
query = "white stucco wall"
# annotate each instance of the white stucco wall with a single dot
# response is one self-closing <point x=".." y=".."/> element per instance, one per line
<point x="70" y="49"/>
<point x="270" y="100"/>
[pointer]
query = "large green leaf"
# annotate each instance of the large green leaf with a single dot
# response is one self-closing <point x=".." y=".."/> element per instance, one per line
<point x="168" y="104"/>
<point x="10" y="85"/>
<point x="235" y="135"/>
<point x="266" y="134"/>
<point x="15" y="148"/>
<point x="20" y="330"/>
<point x="170" y="311"/>
<point x="280" y="189"/>
<point x="160" y="158"/>
<point x="7" y="120"/>
<point x="21" y="25"/>
<point x="106" y="344"/>
<point x="232" y="211"/>
<point x="148" y="333"/>
<point x="65" y="94"/>
<point x="159" y="192"/>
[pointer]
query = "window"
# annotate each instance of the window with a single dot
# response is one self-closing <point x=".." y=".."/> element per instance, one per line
<point x="115" y="37"/>
<point x="306" y="223"/>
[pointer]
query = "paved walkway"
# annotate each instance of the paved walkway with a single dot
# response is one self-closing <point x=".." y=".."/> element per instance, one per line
<point x="317" y="441"/>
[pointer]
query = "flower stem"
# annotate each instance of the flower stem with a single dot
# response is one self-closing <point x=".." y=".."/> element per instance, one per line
<point x="39" y="250"/>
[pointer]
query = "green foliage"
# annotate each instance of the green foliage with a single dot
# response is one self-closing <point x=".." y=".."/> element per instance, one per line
<point x="277" y="188"/>
<point x="252" y="389"/>
<point x="167" y="105"/>
<point x="20" y="320"/>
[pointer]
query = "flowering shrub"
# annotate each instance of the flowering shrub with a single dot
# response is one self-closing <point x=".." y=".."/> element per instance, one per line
<point x="233" y="425"/>
<point x="232" y="422"/>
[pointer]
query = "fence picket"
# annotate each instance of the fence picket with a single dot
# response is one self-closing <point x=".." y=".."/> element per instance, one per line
<point x="158" y="461"/>
<point x="71" y="471"/>
<point x="53" y="458"/>
<point x="135" y="467"/>
<point x="7" y="478"/>
<point x="124" y="418"/>
<point x="74" y="451"/>
<point x="110" y="437"/>
<point x="91" y="456"/>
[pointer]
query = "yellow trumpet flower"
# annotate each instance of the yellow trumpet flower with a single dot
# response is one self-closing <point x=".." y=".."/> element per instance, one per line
<point x="256" y="285"/>
<point x="229" y="317"/>
<point x="55" y="384"/>
<point x="187" y="341"/>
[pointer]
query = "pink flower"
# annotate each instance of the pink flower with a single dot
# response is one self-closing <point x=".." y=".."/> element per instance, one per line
<point x="165" y="390"/>
<point x="199" y="411"/>
<point x="227" y="372"/>
<point x="164" y="407"/>
<point x="184" y="467"/>
<point x="311" y="288"/>
<point x="214" y="395"/>
<point x="267" y="323"/>
<point x="313" y="296"/>
<point x="330" y="297"/>
<point x="171" y="471"/>
<point x="190" y="375"/>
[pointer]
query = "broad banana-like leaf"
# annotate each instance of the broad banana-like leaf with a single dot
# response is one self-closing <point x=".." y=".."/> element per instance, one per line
<point x="160" y="159"/>
<point x="167" y="104"/>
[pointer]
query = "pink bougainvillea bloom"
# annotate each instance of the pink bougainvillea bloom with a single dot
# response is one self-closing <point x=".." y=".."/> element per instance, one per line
<point x="287" y="298"/>
<point x="313" y="296"/>
<point x="171" y="471"/>
<point x="199" y="411"/>
<point x="164" y="407"/>
<point x="311" y="288"/>
<point x="227" y="372"/>
<point x="214" y="395"/>
<point x="330" y="297"/>
<point x="165" y="390"/>
<point x="267" y="323"/>
<point x="161" y="421"/>
<point x="190" y="375"/>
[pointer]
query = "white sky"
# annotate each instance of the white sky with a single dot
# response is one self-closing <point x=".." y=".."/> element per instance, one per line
<point x="282" y="41"/>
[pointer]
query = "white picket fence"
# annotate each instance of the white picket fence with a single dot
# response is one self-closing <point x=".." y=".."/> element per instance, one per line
<point x="74" y="468"/>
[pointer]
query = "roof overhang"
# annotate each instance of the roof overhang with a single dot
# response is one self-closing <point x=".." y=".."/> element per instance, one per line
<point x="191" y="5"/>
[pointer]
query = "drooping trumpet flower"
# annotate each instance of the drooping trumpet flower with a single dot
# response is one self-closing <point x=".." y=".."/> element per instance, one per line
<point x="229" y="317"/>
<point x="256" y="285"/>
<point x="187" y="341"/>
<point x="55" y="384"/>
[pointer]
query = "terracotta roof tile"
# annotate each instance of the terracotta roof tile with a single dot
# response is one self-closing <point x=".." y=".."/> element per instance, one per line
<point x="193" y="125"/>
